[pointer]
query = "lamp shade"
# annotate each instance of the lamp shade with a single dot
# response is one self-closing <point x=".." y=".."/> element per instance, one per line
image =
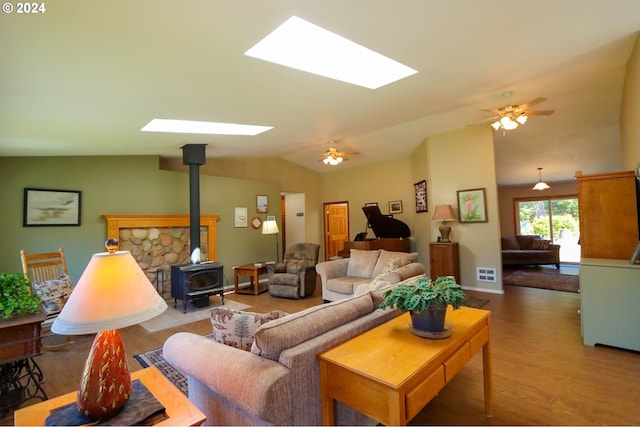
<point x="112" y="293"/>
<point x="540" y="185"/>
<point x="444" y="213"/>
<point x="270" y="227"/>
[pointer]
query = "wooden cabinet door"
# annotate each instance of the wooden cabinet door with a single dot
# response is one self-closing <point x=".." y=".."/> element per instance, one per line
<point x="608" y="215"/>
<point x="444" y="260"/>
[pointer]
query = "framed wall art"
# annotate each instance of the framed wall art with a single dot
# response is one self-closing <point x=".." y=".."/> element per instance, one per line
<point x="472" y="205"/>
<point x="50" y="207"/>
<point x="240" y="217"/>
<point x="395" y="207"/>
<point x="262" y="204"/>
<point x="420" y="189"/>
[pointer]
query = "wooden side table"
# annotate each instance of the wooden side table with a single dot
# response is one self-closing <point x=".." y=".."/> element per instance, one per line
<point x="394" y="382"/>
<point x="254" y="271"/>
<point x="178" y="409"/>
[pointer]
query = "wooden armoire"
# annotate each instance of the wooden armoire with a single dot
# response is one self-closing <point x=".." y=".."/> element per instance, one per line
<point x="608" y="214"/>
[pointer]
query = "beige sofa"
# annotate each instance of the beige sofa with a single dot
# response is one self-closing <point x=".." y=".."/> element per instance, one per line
<point x="278" y="381"/>
<point x="346" y="277"/>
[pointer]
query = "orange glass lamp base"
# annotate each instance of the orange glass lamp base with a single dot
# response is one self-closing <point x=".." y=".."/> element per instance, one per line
<point x="106" y="383"/>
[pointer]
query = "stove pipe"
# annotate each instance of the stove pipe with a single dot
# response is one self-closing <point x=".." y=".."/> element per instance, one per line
<point x="194" y="156"/>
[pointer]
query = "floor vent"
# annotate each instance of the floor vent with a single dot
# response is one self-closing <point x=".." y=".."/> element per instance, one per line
<point x="485" y="274"/>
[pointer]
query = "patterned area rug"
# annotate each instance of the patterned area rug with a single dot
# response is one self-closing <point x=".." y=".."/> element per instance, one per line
<point x="473" y="302"/>
<point x="535" y="279"/>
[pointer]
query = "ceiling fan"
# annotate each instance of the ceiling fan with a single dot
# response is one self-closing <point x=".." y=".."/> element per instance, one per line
<point x="511" y="116"/>
<point x="334" y="157"/>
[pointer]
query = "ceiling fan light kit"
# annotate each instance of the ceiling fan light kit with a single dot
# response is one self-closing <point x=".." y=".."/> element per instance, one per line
<point x="540" y="185"/>
<point x="510" y="116"/>
<point x="334" y="157"/>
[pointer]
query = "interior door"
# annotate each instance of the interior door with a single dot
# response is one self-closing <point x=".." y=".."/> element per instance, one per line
<point x="336" y="228"/>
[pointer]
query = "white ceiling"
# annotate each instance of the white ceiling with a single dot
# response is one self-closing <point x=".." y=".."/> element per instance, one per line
<point x="85" y="76"/>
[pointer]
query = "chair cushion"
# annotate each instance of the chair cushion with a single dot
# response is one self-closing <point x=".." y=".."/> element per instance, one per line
<point x="284" y="279"/>
<point x="237" y="328"/>
<point x="345" y="285"/>
<point x="403" y="257"/>
<point x="274" y="337"/>
<point x="362" y="263"/>
<point x="53" y="293"/>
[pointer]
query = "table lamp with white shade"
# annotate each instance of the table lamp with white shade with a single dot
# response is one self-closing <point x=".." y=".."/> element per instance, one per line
<point x="112" y="293"/>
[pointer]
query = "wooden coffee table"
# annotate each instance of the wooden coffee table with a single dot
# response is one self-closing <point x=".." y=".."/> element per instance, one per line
<point x="254" y="271"/>
<point x="390" y="374"/>
<point x="179" y="410"/>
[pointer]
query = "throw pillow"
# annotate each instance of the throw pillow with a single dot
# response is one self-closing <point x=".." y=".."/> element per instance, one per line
<point x="362" y="263"/>
<point x="237" y="328"/>
<point x="540" y="244"/>
<point x="53" y="293"/>
<point x="380" y="280"/>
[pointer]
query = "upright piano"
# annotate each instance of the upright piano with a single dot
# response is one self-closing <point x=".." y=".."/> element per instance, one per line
<point x="391" y="234"/>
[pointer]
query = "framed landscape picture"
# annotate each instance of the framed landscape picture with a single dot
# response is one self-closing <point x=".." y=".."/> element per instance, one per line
<point x="51" y="207"/>
<point x="472" y="205"/>
<point x="395" y="207"/>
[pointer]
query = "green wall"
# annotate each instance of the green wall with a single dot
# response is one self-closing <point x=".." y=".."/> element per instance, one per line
<point x="125" y="185"/>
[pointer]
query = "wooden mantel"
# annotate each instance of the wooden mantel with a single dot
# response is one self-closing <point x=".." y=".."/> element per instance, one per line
<point x="116" y="222"/>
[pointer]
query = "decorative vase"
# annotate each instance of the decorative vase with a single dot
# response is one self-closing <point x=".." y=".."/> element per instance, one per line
<point x="430" y="323"/>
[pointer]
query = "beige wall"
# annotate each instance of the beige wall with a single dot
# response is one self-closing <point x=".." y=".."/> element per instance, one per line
<point x="629" y="123"/>
<point x="463" y="160"/>
<point x="380" y="183"/>
<point x="507" y="194"/>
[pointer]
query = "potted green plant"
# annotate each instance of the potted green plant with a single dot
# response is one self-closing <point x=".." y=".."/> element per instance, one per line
<point x="16" y="297"/>
<point x="427" y="302"/>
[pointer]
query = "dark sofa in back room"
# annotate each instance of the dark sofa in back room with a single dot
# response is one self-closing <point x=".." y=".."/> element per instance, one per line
<point x="529" y="249"/>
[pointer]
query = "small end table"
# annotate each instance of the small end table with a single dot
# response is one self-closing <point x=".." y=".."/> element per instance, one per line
<point x="179" y="410"/>
<point x="254" y="271"/>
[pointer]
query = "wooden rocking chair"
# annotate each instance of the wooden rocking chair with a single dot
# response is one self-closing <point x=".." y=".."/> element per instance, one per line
<point x="47" y="273"/>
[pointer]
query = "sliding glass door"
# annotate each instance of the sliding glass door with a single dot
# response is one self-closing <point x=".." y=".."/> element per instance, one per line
<point x="555" y="219"/>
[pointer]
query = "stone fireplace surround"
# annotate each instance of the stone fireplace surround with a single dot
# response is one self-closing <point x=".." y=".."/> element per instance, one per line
<point x="159" y="241"/>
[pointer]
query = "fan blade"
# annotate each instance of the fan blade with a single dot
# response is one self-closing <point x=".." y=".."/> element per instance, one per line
<point x="498" y="112"/>
<point x="540" y="113"/>
<point x="531" y="103"/>
<point x="490" y="119"/>
<point x="349" y="153"/>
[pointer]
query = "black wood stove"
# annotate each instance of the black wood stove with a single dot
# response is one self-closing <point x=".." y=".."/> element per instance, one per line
<point x="196" y="282"/>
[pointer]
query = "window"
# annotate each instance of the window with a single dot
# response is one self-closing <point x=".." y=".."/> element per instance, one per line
<point x="555" y="219"/>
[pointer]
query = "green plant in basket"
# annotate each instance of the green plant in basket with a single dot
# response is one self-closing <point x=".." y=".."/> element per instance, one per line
<point x="424" y="293"/>
<point x="16" y="297"/>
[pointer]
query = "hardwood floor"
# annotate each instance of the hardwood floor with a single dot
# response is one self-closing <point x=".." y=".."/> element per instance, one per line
<point x="542" y="373"/>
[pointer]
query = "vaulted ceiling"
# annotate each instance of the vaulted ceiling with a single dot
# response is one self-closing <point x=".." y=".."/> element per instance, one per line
<point x="83" y="78"/>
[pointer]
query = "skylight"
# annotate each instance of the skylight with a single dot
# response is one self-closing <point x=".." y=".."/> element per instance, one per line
<point x="209" y="128"/>
<point x="304" y="46"/>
